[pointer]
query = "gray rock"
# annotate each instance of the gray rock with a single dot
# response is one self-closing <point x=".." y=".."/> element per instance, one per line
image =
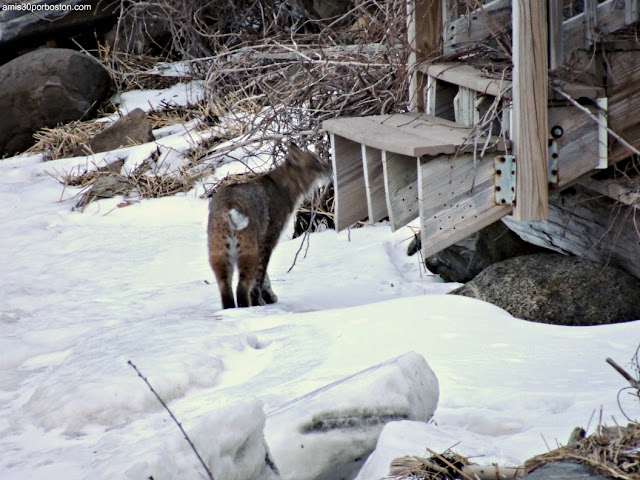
<point x="106" y="186"/>
<point x="45" y="88"/>
<point x="132" y="129"/>
<point x="553" y="288"/>
<point x="51" y="20"/>
<point x="564" y="471"/>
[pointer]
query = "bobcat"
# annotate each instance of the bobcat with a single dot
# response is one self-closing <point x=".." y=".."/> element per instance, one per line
<point x="245" y="222"/>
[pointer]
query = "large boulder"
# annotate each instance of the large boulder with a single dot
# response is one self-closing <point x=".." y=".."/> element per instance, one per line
<point x="48" y="20"/>
<point x="558" y="289"/>
<point x="45" y="88"/>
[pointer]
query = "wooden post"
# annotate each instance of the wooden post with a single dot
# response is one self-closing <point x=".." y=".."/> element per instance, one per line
<point x="530" y="95"/>
<point x="556" y="52"/>
<point x="424" y="31"/>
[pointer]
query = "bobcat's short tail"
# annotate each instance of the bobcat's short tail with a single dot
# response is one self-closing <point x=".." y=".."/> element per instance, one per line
<point x="237" y="219"/>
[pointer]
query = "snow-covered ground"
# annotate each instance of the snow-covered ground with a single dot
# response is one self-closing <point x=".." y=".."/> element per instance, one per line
<point x="81" y="294"/>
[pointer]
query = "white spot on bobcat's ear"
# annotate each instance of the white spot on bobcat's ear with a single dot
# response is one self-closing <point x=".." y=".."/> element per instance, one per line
<point x="237" y="219"/>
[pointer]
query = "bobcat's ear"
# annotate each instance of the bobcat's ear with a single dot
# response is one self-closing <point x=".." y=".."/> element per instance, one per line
<point x="296" y="155"/>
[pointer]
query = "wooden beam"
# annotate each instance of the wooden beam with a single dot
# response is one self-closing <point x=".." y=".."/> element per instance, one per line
<point x="556" y="55"/>
<point x="464" y="105"/>
<point x="410" y="134"/>
<point x="578" y="149"/>
<point x="610" y="16"/>
<point x="348" y="182"/>
<point x="401" y="187"/>
<point x="623" y="76"/>
<point x="424" y="29"/>
<point x="466" y="75"/>
<point x="374" y="183"/>
<point x="530" y="96"/>
<point x="439" y="99"/>
<point x="456" y="199"/>
<point x="616" y="190"/>
<point x="630" y="11"/>
<point x="588" y="225"/>
<point x="478" y="25"/>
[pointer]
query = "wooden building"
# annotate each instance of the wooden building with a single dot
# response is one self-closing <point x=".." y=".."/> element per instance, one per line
<point x="486" y="138"/>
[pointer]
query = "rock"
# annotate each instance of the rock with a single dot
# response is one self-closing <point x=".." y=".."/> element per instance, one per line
<point x="558" y="289"/>
<point x="132" y="129"/>
<point x="106" y="186"/>
<point x="329" y="433"/>
<point x="466" y="259"/>
<point x="45" y="88"/>
<point x="53" y="20"/>
<point x="564" y="470"/>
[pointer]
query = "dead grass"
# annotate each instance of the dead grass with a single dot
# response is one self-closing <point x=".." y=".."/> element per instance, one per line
<point x="612" y="451"/>
<point x="62" y="141"/>
<point x="142" y="183"/>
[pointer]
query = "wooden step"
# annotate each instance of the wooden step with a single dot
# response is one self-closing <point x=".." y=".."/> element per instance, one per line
<point x="457" y="197"/>
<point x="409" y="134"/>
<point x="498" y="84"/>
<point x="407" y="166"/>
<point x="375" y="163"/>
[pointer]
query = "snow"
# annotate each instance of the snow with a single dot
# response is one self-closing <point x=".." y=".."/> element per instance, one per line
<point x="81" y="294"/>
<point x="180" y="94"/>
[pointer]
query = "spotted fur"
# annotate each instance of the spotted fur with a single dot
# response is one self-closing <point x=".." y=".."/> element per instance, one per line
<point x="246" y="220"/>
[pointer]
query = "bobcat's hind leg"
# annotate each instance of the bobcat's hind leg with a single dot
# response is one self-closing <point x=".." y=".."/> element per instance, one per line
<point x="223" y="270"/>
<point x="247" y="270"/>
<point x="267" y="294"/>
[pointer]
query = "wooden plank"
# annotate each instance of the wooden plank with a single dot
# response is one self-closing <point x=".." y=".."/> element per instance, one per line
<point x="623" y="77"/>
<point x="401" y="187"/>
<point x="578" y="147"/>
<point x="479" y="25"/>
<point x="590" y="22"/>
<point x="464" y="105"/>
<point x="626" y="193"/>
<point x="588" y="225"/>
<point x="556" y="56"/>
<point x="424" y="25"/>
<point x="348" y="182"/>
<point x="575" y="90"/>
<point x="456" y="199"/>
<point x="449" y="12"/>
<point x="610" y="16"/>
<point x="411" y="135"/>
<point x="630" y="11"/>
<point x="439" y="98"/>
<point x="530" y="93"/>
<point x="374" y="183"/>
<point x="468" y="76"/>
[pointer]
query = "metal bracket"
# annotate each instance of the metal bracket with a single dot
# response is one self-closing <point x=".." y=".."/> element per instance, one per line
<point x="505" y="179"/>
<point x="505" y="173"/>
<point x="552" y="166"/>
<point x="603" y="133"/>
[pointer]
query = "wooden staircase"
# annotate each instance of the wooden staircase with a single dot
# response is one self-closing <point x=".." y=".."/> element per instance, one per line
<point x="444" y="166"/>
<point x="483" y="144"/>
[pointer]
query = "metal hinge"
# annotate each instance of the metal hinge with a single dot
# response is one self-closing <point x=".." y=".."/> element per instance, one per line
<point x="505" y="179"/>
